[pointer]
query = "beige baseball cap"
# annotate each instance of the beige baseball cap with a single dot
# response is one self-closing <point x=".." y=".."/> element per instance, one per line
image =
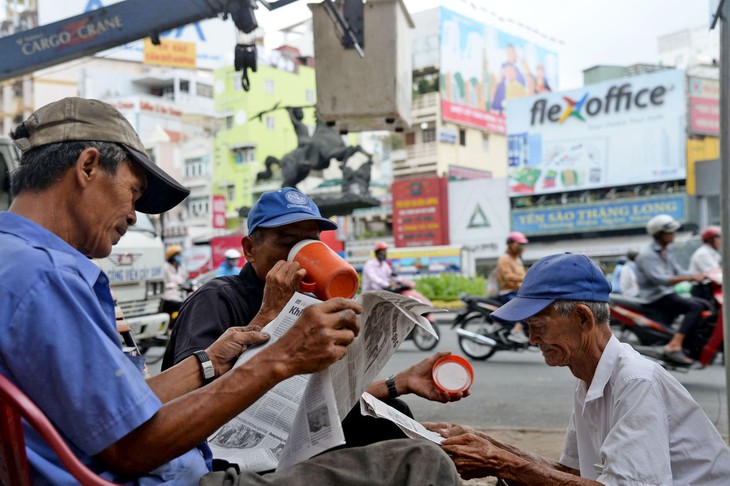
<point x="80" y="119"/>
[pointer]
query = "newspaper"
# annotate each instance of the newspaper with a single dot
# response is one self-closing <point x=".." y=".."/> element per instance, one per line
<point x="369" y="405"/>
<point x="300" y="417"/>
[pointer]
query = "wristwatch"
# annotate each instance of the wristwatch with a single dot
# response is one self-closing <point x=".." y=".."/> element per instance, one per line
<point x="392" y="390"/>
<point x="206" y="366"/>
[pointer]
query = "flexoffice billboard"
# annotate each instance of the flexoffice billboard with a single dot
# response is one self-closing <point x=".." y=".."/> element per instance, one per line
<point x="420" y="212"/>
<point x="599" y="216"/>
<point x="482" y="67"/>
<point x="704" y="106"/>
<point x="214" y="39"/>
<point x="620" y="132"/>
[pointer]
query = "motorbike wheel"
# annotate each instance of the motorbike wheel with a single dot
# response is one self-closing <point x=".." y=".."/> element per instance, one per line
<point x="423" y="340"/>
<point x="478" y="325"/>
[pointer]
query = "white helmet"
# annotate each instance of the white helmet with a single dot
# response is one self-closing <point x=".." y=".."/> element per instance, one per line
<point x="662" y="223"/>
<point x="232" y="254"/>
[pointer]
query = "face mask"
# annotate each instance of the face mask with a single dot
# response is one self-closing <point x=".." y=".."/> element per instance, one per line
<point x="178" y="259"/>
<point x="381" y="255"/>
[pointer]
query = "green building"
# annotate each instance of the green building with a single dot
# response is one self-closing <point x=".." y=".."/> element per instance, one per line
<point x="249" y="132"/>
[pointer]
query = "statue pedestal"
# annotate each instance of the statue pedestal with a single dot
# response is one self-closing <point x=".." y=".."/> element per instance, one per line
<point x="343" y="204"/>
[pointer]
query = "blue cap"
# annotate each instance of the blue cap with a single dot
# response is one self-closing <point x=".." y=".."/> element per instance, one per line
<point x="565" y="276"/>
<point x="285" y="206"/>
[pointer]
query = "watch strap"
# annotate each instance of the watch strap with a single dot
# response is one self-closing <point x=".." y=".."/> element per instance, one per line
<point x="392" y="390"/>
<point x="206" y="366"/>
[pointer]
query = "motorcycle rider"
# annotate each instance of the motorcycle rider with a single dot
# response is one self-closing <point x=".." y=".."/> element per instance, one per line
<point x="174" y="276"/>
<point x="707" y="257"/>
<point x="377" y="273"/>
<point x="657" y="272"/>
<point x="230" y="264"/>
<point x="627" y="280"/>
<point x="510" y="273"/>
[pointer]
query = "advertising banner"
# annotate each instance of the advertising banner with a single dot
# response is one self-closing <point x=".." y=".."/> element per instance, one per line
<point x="425" y="261"/>
<point x="420" y="212"/>
<point x="170" y="53"/>
<point x="214" y="38"/>
<point x="599" y="216"/>
<point x="482" y="67"/>
<point x="219" y="211"/>
<point x="704" y="106"/>
<point x="479" y="217"/>
<point x="620" y="132"/>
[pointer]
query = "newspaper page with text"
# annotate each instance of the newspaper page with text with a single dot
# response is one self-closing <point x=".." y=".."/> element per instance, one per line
<point x="300" y="417"/>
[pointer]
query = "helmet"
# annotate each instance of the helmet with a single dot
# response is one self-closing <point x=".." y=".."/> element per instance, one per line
<point x="172" y="251"/>
<point x="232" y="254"/>
<point x="517" y="237"/>
<point x="662" y="223"/>
<point x="710" y="232"/>
<point x="380" y="245"/>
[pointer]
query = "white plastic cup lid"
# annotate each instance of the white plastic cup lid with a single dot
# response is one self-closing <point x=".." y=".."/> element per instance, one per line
<point x="452" y="374"/>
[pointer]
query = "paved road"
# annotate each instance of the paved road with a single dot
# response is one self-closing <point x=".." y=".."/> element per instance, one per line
<point x="517" y="390"/>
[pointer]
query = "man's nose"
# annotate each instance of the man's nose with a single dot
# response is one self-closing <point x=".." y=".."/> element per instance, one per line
<point x="132" y="218"/>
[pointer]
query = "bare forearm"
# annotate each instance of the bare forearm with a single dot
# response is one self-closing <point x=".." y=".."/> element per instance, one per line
<point x="183" y="378"/>
<point x="184" y="422"/>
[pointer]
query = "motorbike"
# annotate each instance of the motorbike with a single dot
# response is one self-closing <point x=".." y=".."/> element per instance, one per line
<point x="421" y="338"/>
<point x="480" y="336"/>
<point x="642" y="327"/>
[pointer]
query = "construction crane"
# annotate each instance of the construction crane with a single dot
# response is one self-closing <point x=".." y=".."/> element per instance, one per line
<point x="131" y="20"/>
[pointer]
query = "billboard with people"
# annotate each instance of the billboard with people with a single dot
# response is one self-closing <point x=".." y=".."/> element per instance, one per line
<point x="483" y="67"/>
<point x="620" y="132"/>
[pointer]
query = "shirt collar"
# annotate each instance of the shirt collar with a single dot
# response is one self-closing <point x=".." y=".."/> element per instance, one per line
<point x="39" y="237"/>
<point x="604" y="370"/>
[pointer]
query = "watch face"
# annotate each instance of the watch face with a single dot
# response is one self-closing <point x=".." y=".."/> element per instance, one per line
<point x="208" y="370"/>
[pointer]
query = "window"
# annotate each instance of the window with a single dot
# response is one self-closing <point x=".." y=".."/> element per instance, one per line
<point x="204" y="90"/>
<point x="229" y="122"/>
<point x="410" y="138"/>
<point x="270" y="123"/>
<point x="197" y="166"/>
<point x="485" y="142"/>
<point x="231" y="193"/>
<point x="184" y="86"/>
<point x="244" y="155"/>
<point x="269" y="85"/>
<point x="199" y="205"/>
<point x="429" y="135"/>
<point x="309" y="95"/>
<point x="462" y="137"/>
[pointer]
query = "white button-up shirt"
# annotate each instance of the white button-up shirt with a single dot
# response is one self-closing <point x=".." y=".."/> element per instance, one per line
<point x="376" y="275"/>
<point x="636" y="424"/>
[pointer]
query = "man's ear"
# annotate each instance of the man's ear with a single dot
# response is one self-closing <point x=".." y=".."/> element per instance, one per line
<point x="87" y="166"/>
<point x="248" y="244"/>
<point x="585" y="317"/>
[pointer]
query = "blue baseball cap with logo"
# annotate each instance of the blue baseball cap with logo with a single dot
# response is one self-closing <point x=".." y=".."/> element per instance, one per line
<point x="285" y="206"/>
<point x="565" y="276"/>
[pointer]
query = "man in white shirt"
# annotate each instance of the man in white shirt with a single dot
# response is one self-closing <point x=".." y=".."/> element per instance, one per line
<point x="627" y="280"/>
<point x="707" y="257"/>
<point x="632" y="421"/>
<point x="377" y="273"/>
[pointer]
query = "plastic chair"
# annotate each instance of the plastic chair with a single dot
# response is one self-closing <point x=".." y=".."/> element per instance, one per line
<point x="14" y="468"/>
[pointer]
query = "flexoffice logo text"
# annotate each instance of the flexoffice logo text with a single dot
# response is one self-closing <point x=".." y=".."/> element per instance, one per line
<point x="616" y="100"/>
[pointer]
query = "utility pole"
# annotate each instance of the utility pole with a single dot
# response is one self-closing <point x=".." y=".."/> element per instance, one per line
<point x="720" y="11"/>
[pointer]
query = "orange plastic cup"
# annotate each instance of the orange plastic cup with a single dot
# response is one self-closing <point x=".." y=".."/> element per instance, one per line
<point x="328" y="274"/>
<point x="452" y="374"/>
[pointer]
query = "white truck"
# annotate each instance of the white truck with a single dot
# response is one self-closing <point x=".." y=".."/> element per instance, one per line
<point x="134" y="268"/>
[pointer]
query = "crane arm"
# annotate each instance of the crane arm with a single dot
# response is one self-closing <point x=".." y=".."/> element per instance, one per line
<point x="108" y="27"/>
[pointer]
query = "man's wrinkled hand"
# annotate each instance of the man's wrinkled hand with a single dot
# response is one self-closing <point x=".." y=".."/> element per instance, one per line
<point x="227" y="348"/>
<point x="319" y="337"/>
<point x="281" y="283"/>
<point x="418" y="380"/>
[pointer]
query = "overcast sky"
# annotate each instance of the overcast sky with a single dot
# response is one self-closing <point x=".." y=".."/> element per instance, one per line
<point x="590" y="31"/>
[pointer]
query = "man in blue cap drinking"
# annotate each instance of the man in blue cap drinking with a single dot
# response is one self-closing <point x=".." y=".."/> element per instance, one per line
<point x="632" y="422"/>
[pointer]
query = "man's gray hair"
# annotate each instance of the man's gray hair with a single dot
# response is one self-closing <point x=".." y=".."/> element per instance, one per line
<point x="600" y="310"/>
<point x="41" y="167"/>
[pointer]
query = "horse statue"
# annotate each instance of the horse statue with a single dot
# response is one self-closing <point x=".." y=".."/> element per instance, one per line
<point x="356" y="181"/>
<point x="312" y="153"/>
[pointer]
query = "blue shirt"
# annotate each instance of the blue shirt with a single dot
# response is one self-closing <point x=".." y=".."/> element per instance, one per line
<point x="60" y="346"/>
<point x="226" y="270"/>
<point x="654" y="271"/>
